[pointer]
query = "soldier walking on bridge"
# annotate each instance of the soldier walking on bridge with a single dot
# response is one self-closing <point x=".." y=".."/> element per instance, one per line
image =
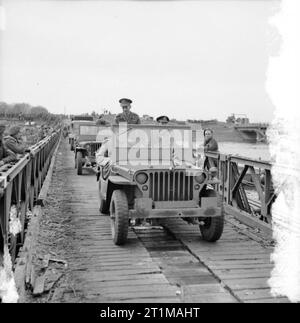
<point x="127" y="115"/>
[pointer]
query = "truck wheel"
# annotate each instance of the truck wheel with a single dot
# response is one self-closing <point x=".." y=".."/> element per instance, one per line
<point x="102" y="203"/>
<point x="79" y="163"/>
<point x="212" y="228"/>
<point x="119" y="217"/>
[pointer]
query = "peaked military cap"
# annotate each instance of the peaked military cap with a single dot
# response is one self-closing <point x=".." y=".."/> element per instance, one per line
<point x="162" y="118"/>
<point x="125" y="100"/>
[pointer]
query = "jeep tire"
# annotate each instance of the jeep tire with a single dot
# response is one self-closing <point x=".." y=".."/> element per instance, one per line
<point x="212" y="228"/>
<point x="79" y="162"/>
<point x="119" y="214"/>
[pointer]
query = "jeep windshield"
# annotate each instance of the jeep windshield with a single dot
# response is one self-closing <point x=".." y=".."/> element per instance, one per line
<point x="152" y="145"/>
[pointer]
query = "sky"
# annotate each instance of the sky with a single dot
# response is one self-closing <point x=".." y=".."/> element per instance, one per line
<point x="186" y="59"/>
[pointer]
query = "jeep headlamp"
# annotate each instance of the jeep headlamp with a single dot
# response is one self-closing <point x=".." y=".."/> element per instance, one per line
<point x="200" y="178"/>
<point x="141" y="178"/>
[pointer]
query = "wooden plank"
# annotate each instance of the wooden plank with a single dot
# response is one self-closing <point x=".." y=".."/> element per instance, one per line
<point x="188" y="280"/>
<point x="269" y="300"/>
<point x="246" y="274"/>
<point x="210" y="298"/>
<point x="152" y="300"/>
<point x="114" y="267"/>
<point x="119" y="273"/>
<point x="246" y="283"/>
<point x="261" y="262"/>
<point x="250" y="294"/>
<point x="259" y="257"/>
<point x="237" y="251"/>
<point x="230" y="265"/>
<point x="126" y="282"/>
<point x="202" y="289"/>
<point x="186" y="273"/>
<point x="118" y="278"/>
<point x="154" y="289"/>
<point x="142" y="294"/>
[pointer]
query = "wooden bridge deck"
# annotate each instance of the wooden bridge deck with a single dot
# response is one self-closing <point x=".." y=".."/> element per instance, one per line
<point x="157" y="264"/>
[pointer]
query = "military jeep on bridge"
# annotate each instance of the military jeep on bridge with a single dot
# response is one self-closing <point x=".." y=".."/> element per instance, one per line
<point x="76" y="122"/>
<point x="152" y="176"/>
<point x="85" y="146"/>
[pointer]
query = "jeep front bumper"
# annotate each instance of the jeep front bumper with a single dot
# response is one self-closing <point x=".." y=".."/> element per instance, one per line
<point x="146" y="208"/>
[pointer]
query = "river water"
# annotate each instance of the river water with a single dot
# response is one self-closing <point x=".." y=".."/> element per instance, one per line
<point x="250" y="150"/>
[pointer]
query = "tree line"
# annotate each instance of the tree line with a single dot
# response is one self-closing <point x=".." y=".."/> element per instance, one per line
<point x="25" y="111"/>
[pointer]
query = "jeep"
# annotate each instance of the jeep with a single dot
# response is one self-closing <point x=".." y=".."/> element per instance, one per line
<point x="147" y="180"/>
<point x="85" y="146"/>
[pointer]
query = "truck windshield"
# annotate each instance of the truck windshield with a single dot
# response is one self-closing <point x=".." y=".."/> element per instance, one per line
<point x="88" y="130"/>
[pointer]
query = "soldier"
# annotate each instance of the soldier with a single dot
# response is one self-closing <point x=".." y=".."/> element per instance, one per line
<point x="6" y="156"/>
<point x="127" y="115"/>
<point x="12" y="141"/>
<point x="210" y="144"/>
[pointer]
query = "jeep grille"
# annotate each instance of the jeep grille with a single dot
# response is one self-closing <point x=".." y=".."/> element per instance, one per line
<point x="170" y="186"/>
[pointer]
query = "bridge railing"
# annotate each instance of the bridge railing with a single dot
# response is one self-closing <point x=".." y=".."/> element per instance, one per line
<point x="20" y="185"/>
<point x="246" y="187"/>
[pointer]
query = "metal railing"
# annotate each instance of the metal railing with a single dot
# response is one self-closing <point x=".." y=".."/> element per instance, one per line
<point x="20" y="185"/>
<point x="246" y="186"/>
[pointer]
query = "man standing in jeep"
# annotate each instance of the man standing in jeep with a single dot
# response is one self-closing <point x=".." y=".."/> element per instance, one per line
<point x="127" y="115"/>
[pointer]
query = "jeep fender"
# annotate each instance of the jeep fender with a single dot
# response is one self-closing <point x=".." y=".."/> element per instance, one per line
<point x="117" y="182"/>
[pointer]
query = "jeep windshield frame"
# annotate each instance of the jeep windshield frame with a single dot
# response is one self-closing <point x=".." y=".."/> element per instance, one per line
<point x="149" y="145"/>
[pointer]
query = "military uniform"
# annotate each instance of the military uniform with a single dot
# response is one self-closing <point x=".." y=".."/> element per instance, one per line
<point x="13" y="145"/>
<point x="6" y="156"/>
<point x="129" y="117"/>
<point x="210" y="145"/>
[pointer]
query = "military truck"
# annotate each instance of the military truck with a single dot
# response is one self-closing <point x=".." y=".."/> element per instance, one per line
<point x="149" y="178"/>
<point x="85" y="146"/>
<point x="74" y="128"/>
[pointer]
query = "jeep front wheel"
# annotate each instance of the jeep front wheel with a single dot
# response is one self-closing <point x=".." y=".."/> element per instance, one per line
<point x="119" y="214"/>
<point x="79" y="163"/>
<point x="212" y="228"/>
